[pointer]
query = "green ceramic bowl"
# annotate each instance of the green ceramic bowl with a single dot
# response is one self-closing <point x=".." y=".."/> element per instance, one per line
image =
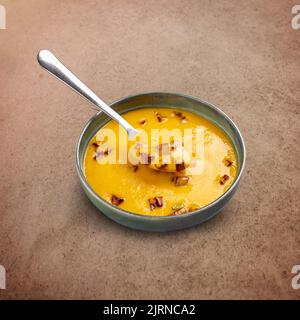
<point x="171" y="100"/>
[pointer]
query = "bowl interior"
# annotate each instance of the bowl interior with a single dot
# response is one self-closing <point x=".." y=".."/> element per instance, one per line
<point x="168" y="100"/>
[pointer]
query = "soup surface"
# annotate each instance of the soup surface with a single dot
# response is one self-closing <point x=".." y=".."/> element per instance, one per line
<point x="138" y="187"/>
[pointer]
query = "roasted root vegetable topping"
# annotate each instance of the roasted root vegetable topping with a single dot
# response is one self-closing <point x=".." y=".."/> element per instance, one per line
<point x="180" y="166"/>
<point x="194" y="207"/>
<point x="223" y="179"/>
<point x="180" y="115"/>
<point x="168" y="158"/>
<point x="95" y="144"/>
<point x="161" y="118"/>
<point x="106" y="151"/>
<point x="156" y="202"/>
<point x="180" y="211"/>
<point x="161" y="166"/>
<point x="100" y="153"/>
<point x="181" y="180"/>
<point x="228" y="162"/>
<point x="142" y="121"/>
<point x="116" y="200"/>
<point x="181" y="208"/>
<point x="178" y="206"/>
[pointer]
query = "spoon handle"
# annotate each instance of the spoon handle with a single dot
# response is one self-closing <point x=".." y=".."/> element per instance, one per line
<point x="48" y="61"/>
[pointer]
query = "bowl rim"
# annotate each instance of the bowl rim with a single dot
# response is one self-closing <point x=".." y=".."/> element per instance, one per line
<point x="160" y="218"/>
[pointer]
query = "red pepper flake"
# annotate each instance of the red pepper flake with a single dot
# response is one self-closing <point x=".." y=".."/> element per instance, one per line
<point x="156" y="202"/>
<point x="223" y="179"/>
<point x="95" y="144"/>
<point x="116" y="200"/>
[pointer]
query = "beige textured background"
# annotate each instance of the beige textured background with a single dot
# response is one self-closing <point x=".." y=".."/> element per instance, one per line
<point x="242" y="55"/>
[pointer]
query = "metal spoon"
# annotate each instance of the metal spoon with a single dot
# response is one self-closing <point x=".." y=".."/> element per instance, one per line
<point x="48" y="61"/>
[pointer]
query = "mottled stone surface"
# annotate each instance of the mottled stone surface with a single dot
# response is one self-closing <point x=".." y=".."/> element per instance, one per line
<point x="242" y="55"/>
